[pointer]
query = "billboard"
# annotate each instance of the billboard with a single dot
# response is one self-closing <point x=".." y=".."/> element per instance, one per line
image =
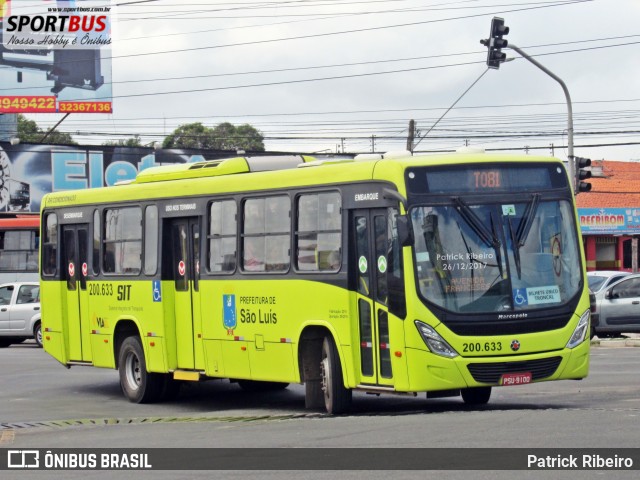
<point x="29" y="171"/>
<point x="55" y="56"/>
<point x="609" y="221"/>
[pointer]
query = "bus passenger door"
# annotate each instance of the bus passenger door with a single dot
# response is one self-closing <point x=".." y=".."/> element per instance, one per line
<point x="370" y="228"/>
<point x="75" y="268"/>
<point x="185" y="265"/>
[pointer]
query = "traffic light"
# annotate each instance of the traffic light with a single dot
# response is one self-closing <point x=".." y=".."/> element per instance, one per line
<point x="582" y="174"/>
<point x="496" y="43"/>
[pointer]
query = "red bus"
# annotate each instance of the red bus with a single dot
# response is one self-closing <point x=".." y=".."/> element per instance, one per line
<point x="19" y="242"/>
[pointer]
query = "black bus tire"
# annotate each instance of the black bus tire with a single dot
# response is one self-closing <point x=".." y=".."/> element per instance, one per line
<point x="476" y="395"/>
<point x="37" y="334"/>
<point x="138" y="385"/>
<point x="337" y="398"/>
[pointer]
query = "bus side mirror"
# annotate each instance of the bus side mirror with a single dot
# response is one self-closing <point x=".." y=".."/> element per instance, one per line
<point x="405" y="233"/>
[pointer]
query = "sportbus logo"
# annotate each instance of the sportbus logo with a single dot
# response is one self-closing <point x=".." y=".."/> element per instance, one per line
<point x="40" y="26"/>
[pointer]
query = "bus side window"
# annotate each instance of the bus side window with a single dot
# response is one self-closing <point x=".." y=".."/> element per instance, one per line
<point x="123" y="240"/>
<point x="50" y="245"/>
<point x="151" y="240"/>
<point x="266" y="234"/>
<point x="319" y="233"/>
<point x="96" y="243"/>
<point x="395" y="273"/>
<point x="222" y="236"/>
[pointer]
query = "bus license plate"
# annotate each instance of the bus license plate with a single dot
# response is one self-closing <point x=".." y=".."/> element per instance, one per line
<point x="515" y="379"/>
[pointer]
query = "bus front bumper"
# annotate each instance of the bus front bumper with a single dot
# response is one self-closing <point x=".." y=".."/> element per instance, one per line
<point x="432" y="372"/>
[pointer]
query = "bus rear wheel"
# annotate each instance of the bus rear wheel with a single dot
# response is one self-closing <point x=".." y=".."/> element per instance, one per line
<point x="476" y="395"/>
<point x="337" y="398"/>
<point x="37" y="334"/>
<point x="138" y="385"/>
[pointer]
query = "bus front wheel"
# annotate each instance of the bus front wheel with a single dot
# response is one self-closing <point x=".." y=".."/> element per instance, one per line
<point x="476" y="395"/>
<point x="138" y="385"/>
<point x="337" y="398"/>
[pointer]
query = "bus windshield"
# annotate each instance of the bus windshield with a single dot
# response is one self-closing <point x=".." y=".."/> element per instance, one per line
<point x="496" y="257"/>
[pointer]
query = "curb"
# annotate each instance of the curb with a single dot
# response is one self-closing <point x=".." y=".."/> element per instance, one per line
<point x="616" y="343"/>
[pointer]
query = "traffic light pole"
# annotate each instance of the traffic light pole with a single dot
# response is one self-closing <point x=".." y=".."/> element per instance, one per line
<point x="572" y="167"/>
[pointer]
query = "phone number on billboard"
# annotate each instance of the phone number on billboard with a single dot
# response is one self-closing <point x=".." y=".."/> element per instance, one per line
<point x="86" y="107"/>
<point x="45" y="104"/>
<point x="27" y="104"/>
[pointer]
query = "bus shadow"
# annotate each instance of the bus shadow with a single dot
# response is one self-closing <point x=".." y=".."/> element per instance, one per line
<point x="220" y="396"/>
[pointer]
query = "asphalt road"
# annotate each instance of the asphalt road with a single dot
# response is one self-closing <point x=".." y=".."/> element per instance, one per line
<point x="44" y="405"/>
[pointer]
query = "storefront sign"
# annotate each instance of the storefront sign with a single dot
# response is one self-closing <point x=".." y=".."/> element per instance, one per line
<point x="609" y="221"/>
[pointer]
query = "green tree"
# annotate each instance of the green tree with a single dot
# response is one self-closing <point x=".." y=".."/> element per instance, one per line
<point x="28" y="131"/>
<point x="125" y="142"/>
<point x="225" y="136"/>
<point x="244" y="137"/>
<point x="189" y="135"/>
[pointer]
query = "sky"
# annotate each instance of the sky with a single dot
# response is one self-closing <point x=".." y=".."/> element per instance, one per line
<point x="347" y="76"/>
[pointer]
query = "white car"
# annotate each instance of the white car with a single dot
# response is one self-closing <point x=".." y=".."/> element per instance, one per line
<point x="20" y="313"/>
<point x="601" y="279"/>
<point x="617" y="308"/>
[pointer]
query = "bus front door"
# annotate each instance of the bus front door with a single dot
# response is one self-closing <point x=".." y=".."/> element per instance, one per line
<point x="75" y="269"/>
<point x="370" y="227"/>
<point x="185" y="265"/>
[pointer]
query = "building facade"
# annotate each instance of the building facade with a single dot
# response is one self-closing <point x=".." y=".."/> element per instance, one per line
<point x="609" y="216"/>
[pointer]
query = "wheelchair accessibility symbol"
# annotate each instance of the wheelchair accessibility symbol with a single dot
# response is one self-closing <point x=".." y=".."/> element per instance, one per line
<point x="520" y="297"/>
<point x="157" y="293"/>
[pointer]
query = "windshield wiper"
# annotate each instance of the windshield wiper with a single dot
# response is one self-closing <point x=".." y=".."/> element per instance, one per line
<point x="488" y="237"/>
<point x="527" y="220"/>
<point x="497" y="249"/>
<point x="516" y="247"/>
<point x="519" y="237"/>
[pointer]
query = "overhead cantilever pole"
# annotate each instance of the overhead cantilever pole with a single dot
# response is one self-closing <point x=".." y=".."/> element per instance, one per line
<point x="572" y="167"/>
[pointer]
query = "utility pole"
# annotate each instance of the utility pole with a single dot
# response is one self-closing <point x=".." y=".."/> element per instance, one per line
<point x="410" y="136"/>
<point x="373" y="144"/>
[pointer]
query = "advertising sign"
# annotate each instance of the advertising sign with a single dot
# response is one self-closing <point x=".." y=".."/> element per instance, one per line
<point x="55" y="56"/>
<point x="609" y="221"/>
<point x="29" y="171"/>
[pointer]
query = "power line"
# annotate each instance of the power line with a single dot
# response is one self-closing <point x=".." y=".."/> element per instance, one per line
<point x="371" y="62"/>
<point x="335" y="77"/>
<point x="342" y="32"/>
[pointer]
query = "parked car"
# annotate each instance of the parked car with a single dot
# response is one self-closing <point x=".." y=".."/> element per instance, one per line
<point x="617" y="308"/>
<point x="19" y="313"/>
<point x="601" y="279"/>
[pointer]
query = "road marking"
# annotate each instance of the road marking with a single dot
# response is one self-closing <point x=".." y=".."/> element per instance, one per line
<point x="7" y="436"/>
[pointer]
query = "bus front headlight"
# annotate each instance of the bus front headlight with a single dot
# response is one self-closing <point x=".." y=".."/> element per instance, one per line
<point x="580" y="333"/>
<point x="435" y="343"/>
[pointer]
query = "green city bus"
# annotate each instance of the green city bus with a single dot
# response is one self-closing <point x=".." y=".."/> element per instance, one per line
<point x="446" y="274"/>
